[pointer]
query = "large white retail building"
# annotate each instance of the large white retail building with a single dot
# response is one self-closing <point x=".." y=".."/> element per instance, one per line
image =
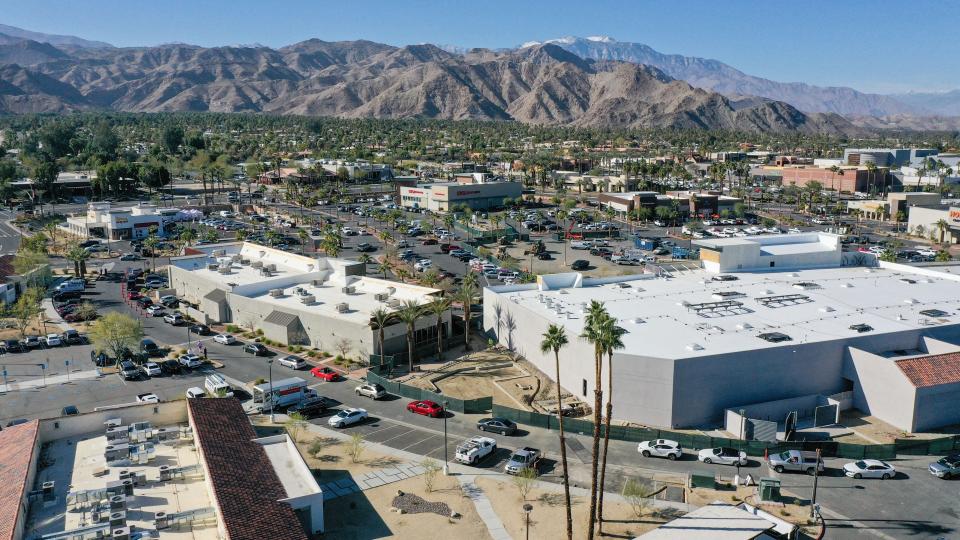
<point x="102" y="220"/>
<point x="317" y="302"/>
<point x="875" y="336"/>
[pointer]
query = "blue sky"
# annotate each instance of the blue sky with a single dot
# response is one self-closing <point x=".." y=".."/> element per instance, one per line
<point x="871" y="45"/>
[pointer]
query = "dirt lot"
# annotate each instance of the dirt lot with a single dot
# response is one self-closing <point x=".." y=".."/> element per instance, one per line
<point x="367" y="515"/>
<point x="548" y="517"/>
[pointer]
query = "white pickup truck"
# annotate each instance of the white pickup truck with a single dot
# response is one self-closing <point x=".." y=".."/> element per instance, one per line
<point x="473" y="450"/>
<point x="149" y="397"/>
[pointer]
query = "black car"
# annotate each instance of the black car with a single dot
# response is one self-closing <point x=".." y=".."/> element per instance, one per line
<point x="497" y="425"/>
<point x="580" y="264"/>
<point x="88" y="243"/>
<point x="12" y="345"/>
<point x="200" y="329"/>
<point x="310" y="407"/>
<point x="70" y="410"/>
<point x="256" y="349"/>
<point x="72" y="337"/>
<point x="171" y="367"/>
<point x="149" y="347"/>
<point x="64" y="296"/>
<point x="544" y="256"/>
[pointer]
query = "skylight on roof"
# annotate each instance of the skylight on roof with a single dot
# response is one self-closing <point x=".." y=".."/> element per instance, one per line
<point x="934" y="313"/>
<point x="775" y="337"/>
<point x="783" y="300"/>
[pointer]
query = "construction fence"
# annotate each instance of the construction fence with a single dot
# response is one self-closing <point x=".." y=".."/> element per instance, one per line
<point x="919" y="447"/>
<point x="692" y="441"/>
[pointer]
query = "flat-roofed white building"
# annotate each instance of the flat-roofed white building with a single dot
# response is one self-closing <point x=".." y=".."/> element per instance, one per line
<point x="102" y="220"/>
<point x="300" y="300"/>
<point x="699" y="343"/>
<point x="788" y="251"/>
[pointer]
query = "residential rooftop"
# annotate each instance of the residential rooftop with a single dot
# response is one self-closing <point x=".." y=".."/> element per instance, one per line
<point x="694" y="315"/>
<point x="17" y="445"/>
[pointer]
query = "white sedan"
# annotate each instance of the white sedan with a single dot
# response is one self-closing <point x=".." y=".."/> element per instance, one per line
<point x="155" y="310"/>
<point x="225" y="339"/>
<point x="190" y="360"/>
<point x="723" y="455"/>
<point x="152" y="369"/>
<point x="869" y="468"/>
<point x="660" y="448"/>
<point x="347" y="417"/>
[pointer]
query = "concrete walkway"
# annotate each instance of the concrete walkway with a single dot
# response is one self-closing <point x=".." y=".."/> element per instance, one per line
<point x="52" y="380"/>
<point x="52" y="316"/>
<point x="484" y="507"/>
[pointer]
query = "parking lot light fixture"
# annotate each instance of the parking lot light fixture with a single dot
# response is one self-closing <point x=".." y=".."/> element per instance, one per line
<point x="446" y="469"/>
<point x="270" y="374"/>
<point x="527" y="507"/>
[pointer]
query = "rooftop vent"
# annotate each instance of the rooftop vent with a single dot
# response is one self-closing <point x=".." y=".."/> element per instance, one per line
<point x="934" y="313"/>
<point x="317" y="282"/>
<point x="256" y="264"/>
<point x="911" y="301"/>
<point x="694" y="347"/>
<point x="846" y="285"/>
<point x="637" y="320"/>
<point x="783" y="300"/>
<point x="265" y="272"/>
<point x="383" y="297"/>
<point x="623" y="285"/>
<point x="394" y="302"/>
<point x="806" y="285"/>
<point x="391" y="290"/>
<point x="861" y="328"/>
<point x="775" y="337"/>
<point x="348" y="290"/>
<point x="271" y="267"/>
<point x="908" y="280"/>
<point x="307" y="299"/>
<point x="343" y="307"/>
<point x="826" y="309"/>
<point x="276" y="293"/>
<point x="219" y="252"/>
<point x="744" y="326"/>
<point x="224" y="270"/>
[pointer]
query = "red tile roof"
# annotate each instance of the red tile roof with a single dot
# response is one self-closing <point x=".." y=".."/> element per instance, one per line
<point x="931" y="370"/>
<point x="17" y="447"/>
<point x="246" y="487"/>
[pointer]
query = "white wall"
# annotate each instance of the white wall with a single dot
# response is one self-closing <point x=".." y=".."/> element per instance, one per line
<point x="158" y="414"/>
<point x="883" y="390"/>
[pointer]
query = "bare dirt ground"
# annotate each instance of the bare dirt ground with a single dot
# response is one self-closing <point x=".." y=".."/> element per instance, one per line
<point x="367" y="514"/>
<point x="792" y="509"/>
<point x="872" y="430"/>
<point x="548" y="517"/>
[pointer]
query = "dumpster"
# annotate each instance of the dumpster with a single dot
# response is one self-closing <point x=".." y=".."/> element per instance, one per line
<point x="769" y="489"/>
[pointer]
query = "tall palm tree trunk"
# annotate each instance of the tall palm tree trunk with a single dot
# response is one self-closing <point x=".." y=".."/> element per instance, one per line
<point x="597" y="405"/>
<point x="410" y="348"/>
<point x="606" y="439"/>
<point x="563" y="448"/>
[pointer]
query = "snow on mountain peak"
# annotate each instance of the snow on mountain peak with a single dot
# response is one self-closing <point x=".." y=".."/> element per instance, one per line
<point x="526" y="44"/>
<point x="600" y="39"/>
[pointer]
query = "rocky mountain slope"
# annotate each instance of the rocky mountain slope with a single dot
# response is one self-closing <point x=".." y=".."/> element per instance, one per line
<point x="542" y="84"/>
<point x="719" y="77"/>
<point x="52" y="39"/>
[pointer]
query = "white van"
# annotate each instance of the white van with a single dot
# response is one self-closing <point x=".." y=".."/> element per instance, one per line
<point x="215" y="383"/>
<point x="71" y="285"/>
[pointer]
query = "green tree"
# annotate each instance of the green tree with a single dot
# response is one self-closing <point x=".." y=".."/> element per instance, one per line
<point x="151" y="244"/>
<point x="438" y="308"/>
<point x="612" y="340"/>
<point x="465" y="295"/>
<point x="172" y="138"/>
<point x="380" y="319"/>
<point x="25" y="309"/>
<point x="115" y="333"/>
<point x="409" y="313"/>
<point x="45" y="173"/>
<point x="33" y="264"/>
<point x="78" y="256"/>
<point x="555" y="339"/>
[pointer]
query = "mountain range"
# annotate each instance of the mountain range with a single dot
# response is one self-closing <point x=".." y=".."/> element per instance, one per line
<point x="543" y="84"/>
<point x="594" y="81"/>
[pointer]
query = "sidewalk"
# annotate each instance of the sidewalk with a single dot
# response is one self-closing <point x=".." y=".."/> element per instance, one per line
<point x="52" y="316"/>
<point x="52" y="380"/>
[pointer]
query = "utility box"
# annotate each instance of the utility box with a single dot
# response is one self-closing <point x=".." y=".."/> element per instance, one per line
<point x="708" y="481"/>
<point x="769" y="489"/>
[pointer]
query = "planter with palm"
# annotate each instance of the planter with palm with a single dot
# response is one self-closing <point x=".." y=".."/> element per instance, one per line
<point x="438" y="308"/>
<point x="554" y="339"/>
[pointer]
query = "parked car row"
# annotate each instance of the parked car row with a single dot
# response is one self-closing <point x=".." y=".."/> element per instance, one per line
<point x="68" y="337"/>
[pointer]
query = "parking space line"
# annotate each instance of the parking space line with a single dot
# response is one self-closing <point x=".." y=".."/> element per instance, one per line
<point x="398" y="436"/>
<point x="382" y="429"/>
<point x="419" y="442"/>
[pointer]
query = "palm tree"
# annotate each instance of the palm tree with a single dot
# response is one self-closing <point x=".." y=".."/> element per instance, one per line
<point x="437" y="308"/>
<point x="409" y="313"/>
<point x="468" y="289"/>
<point x="380" y="319"/>
<point x="942" y="226"/>
<point x="612" y="335"/>
<point x="593" y="333"/>
<point x="554" y="339"/>
<point x="187" y="236"/>
<point x="151" y="243"/>
<point x="78" y="256"/>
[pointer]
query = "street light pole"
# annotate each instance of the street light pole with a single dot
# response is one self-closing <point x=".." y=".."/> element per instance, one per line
<point x="270" y="373"/>
<point x="816" y="475"/>
<point x="446" y="469"/>
<point x="743" y="421"/>
<point x="526" y="510"/>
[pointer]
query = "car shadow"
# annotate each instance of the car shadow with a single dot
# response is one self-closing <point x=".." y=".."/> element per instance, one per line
<point x="493" y="460"/>
<point x="389" y="397"/>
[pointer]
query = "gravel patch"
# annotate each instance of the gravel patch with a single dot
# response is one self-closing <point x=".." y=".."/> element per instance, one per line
<point x="412" y="504"/>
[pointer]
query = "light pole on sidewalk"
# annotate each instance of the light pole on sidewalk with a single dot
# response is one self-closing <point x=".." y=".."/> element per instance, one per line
<point x="270" y="373"/>
<point x="526" y="510"/>
<point x="816" y="475"/>
<point x="446" y="469"/>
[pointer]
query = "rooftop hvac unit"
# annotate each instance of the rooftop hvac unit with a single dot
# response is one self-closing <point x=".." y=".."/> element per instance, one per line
<point x="118" y="502"/>
<point x="343" y="307"/>
<point x="256" y="264"/>
<point x="219" y="253"/>
<point x="276" y="293"/>
<point x="348" y="290"/>
<point x="391" y="290"/>
<point x="117" y="433"/>
<point x="120" y="533"/>
<point x="394" y="302"/>
<point x="118" y="519"/>
<point x="224" y="270"/>
<point x="212" y="266"/>
<point x="307" y="299"/>
<point x="265" y="273"/>
<point x="244" y="262"/>
<point x="382" y="297"/>
<point x="235" y="257"/>
<point x="317" y="282"/>
<point x="112" y="422"/>
<point x="271" y="267"/>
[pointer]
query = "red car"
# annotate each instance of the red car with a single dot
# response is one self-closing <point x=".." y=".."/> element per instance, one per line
<point x="325" y="373"/>
<point x="426" y="408"/>
<point x="133" y="295"/>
